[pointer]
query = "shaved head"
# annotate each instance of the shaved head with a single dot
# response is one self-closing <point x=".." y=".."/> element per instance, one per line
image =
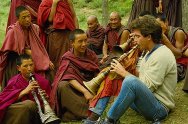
<point x="92" y="18"/>
<point x="115" y="20"/>
<point x="92" y="22"/>
<point x="115" y="14"/>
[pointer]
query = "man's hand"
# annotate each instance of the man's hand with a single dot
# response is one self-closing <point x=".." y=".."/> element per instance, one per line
<point x="118" y="68"/>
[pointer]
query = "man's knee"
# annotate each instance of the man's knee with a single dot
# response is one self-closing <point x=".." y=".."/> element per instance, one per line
<point x="130" y="80"/>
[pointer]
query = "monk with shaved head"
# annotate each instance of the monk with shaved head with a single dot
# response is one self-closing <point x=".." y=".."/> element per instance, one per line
<point x="115" y="34"/>
<point x="96" y="34"/>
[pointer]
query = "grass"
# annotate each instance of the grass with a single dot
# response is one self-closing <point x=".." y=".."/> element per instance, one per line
<point x="83" y="10"/>
<point x="4" y="9"/>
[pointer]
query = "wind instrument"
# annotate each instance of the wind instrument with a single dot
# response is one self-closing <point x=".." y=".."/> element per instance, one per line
<point x="48" y="117"/>
<point x="94" y="84"/>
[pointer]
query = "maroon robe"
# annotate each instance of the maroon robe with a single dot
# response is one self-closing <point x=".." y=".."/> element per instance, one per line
<point x="96" y="39"/>
<point x="74" y="68"/>
<point x="33" y="4"/>
<point x="62" y="19"/>
<point x="15" y="41"/>
<point x="15" y="85"/>
<point x="113" y="36"/>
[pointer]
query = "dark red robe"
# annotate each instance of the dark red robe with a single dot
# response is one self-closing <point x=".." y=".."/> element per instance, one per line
<point x="63" y="17"/>
<point x="113" y="36"/>
<point x="96" y="39"/>
<point x="74" y="68"/>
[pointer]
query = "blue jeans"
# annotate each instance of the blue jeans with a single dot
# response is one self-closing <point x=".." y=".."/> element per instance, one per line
<point x="136" y="95"/>
<point x="100" y="106"/>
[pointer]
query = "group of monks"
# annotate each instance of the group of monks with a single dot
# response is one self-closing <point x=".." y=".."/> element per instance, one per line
<point x="43" y="38"/>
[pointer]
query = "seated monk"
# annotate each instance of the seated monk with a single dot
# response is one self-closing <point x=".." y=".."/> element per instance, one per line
<point x="69" y="96"/>
<point x="115" y="34"/>
<point x="22" y="37"/>
<point x="17" y="105"/>
<point x="95" y="34"/>
<point x="176" y="39"/>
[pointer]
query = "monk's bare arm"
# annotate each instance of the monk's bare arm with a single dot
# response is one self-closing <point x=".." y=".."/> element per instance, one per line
<point x="73" y="13"/>
<point x="105" y="52"/>
<point x="75" y="84"/>
<point x="105" y="49"/>
<point x="124" y="36"/>
<point x="177" y="52"/>
<point x="180" y="39"/>
<point x="53" y="10"/>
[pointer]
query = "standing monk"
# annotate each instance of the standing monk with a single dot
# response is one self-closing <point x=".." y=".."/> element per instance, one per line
<point x="22" y="37"/>
<point x="32" y="6"/>
<point x="56" y="19"/>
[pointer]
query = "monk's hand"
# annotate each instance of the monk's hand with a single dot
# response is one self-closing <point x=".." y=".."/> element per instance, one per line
<point x="28" y="51"/>
<point x="118" y="68"/>
<point x="88" y="95"/>
<point x="33" y="85"/>
<point x="51" y="66"/>
<point x="104" y="59"/>
<point x="56" y="1"/>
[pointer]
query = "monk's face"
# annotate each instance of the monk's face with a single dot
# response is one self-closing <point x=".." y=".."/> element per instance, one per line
<point x="25" y="18"/>
<point x="26" y="68"/>
<point x="92" y="24"/>
<point x="115" y="21"/>
<point x="80" y="44"/>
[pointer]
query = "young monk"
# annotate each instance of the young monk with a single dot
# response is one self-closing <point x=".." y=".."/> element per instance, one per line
<point x="17" y="105"/>
<point x="77" y="65"/>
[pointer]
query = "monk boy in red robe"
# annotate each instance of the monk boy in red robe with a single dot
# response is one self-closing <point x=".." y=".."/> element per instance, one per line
<point x="16" y="101"/>
<point x="32" y="6"/>
<point x="69" y="96"/>
<point x="22" y="37"/>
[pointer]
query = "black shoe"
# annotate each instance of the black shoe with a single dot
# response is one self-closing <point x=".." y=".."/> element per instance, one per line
<point x="110" y="121"/>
